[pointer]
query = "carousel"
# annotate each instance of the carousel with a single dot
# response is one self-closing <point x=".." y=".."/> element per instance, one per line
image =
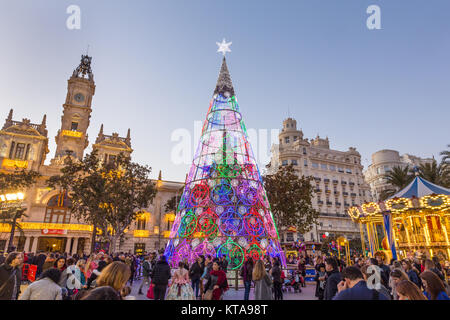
<point x="414" y="221"/>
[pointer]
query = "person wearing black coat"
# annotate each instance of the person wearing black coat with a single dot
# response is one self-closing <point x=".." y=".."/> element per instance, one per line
<point x="11" y="276"/>
<point x="277" y="282"/>
<point x="332" y="280"/>
<point x="39" y="261"/>
<point x="195" y="272"/>
<point x="160" y="278"/>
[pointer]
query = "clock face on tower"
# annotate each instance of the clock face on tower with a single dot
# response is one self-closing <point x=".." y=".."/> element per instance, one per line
<point x="79" y="97"/>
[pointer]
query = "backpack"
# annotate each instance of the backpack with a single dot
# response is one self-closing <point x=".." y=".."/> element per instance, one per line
<point x="147" y="267"/>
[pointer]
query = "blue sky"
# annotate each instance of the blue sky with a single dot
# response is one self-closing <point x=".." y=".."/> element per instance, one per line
<point x="155" y="67"/>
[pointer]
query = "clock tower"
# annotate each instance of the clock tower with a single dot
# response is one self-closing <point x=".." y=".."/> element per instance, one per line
<point x="72" y="138"/>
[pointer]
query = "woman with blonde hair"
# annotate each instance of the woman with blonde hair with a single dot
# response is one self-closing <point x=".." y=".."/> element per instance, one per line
<point x="263" y="283"/>
<point x="115" y="275"/>
<point x="407" y="290"/>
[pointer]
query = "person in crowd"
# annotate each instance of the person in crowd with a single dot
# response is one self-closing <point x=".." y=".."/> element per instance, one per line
<point x="91" y="265"/>
<point x="396" y="265"/>
<point x="129" y="261"/>
<point x="11" y="276"/>
<point x="246" y="274"/>
<point x="407" y="290"/>
<point x="160" y="278"/>
<point x="384" y="278"/>
<point x="353" y="287"/>
<point x="320" y="281"/>
<point x="146" y="271"/>
<point x="92" y="281"/>
<point x="263" y="283"/>
<point x="202" y="259"/>
<point x="434" y="288"/>
<point x="431" y="266"/>
<point x="102" y="293"/>
<point x="195" y="273"/>
<point x="318" y="264"/>
<point x="412" y="272"/>
<point x="46" y="288"/>
<point x="217" y="283"/>
<point x="81" y="276"/>
<point x="267" y="263"/>
<point x="223" y="264"/>
<point x="277" y="281"/>
<point x="107" y="259"/>
<point x="39" y="260"/>
<point x="332" y="279"/>
<point x="397" y="275"/>
<point x="60" y="264"/>
<point x="49" y="262"/>
<point x="301" y="268"/>
<point x="186" y="264"/>
<point x="385" y="270"/>
<point x="368" y="272"/>
<point x="180" y="289"/>
<point x="437" y="264"/>
<point x="115" y="275"/>
<point x="207" y="267"/>
<point x="126" y="293"/>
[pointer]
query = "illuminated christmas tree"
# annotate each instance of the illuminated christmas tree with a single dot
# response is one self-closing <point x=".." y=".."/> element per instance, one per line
<point x="224" y="209"/>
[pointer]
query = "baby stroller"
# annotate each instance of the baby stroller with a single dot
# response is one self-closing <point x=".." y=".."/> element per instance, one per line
<point x="293" y="282"/>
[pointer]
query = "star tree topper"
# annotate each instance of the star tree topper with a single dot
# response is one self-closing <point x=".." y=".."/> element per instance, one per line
<point x="224" y="47"/>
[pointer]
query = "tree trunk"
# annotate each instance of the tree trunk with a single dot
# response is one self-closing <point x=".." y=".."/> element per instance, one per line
<point x="94" y="234"/>
<point x="11" y="236"/>
<point x="112" y="247"/>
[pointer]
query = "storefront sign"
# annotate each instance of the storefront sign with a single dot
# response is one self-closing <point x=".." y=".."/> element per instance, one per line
<point x="53" y="231"/>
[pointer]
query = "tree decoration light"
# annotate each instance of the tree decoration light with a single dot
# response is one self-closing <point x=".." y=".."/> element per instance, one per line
<point x="224" y="211"/>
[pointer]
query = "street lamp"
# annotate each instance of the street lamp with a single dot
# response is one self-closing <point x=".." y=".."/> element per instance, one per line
<point x="13" y="201"/>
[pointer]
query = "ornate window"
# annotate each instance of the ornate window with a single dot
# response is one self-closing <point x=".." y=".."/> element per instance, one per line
<point x="141" y="220"/>
<point x="57" y="210"/>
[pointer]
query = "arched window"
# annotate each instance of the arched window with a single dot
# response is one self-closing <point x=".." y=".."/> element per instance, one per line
<point x="57" y="210"/>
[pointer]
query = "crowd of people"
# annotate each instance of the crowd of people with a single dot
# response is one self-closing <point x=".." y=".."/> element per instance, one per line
<point x="372" y="279"/>
<point x="101" y="276"/>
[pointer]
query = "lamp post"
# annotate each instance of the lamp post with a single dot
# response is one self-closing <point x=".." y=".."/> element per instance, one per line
<point x="13" y="202"/>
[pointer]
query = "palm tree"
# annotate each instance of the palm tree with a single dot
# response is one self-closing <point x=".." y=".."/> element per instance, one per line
<point x="446" y="155"/>
<point x="436" y="173"/>
<point x="398" y="178"/>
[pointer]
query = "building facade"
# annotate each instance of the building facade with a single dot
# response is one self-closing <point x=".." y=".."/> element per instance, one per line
<point x="49" y="224"/>
<point x="338" y="180"/>
<point x="382" y="163"/>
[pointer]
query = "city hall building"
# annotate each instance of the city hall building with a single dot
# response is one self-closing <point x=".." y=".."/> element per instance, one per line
<point x="49" y="224"/>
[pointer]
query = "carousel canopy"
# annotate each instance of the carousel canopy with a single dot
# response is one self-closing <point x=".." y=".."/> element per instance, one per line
<point x="420" y="187"/>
